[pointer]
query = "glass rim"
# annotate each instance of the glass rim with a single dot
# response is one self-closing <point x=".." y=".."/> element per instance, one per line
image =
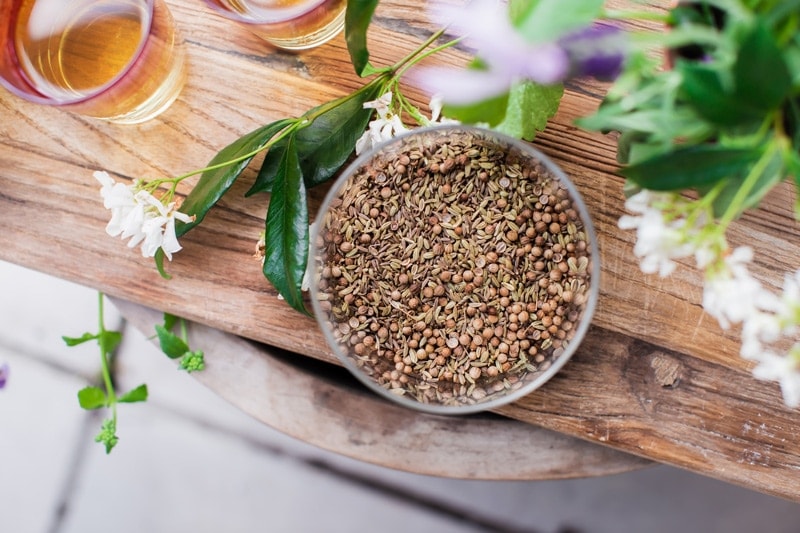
<point x="35" y="96"/>
<point x="269" y="16"/>
<point x="492" y="402"/>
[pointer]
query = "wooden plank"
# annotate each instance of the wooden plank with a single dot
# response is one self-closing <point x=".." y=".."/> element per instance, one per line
<point x="717" y="419"/>
<point x="323" y="405"/>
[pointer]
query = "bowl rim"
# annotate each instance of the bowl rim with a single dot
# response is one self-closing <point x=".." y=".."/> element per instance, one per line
<point x="556" y="364"/>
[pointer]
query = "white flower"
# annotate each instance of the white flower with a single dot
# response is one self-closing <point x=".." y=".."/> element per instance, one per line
<point x="783" y="369"/>
<point x="658" y="241"/>
<point x="139" y="216"/>
<point x="436" y="104"/>
<point x="383" y="128"/>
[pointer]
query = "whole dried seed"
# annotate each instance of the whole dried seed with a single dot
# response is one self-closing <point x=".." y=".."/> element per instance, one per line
<point x="454" y="269"/>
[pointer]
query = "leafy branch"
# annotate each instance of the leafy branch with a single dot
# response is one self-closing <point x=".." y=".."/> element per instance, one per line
<point x="94" y="397"/>
<point x="309" y="150"/>
<point x="105" y="396"/>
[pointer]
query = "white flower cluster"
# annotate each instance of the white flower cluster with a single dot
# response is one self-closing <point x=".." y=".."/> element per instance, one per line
<point x="389" y="124"/>
<point x="383" y="128"/>
<point x="138" y="215"/>
<point x="670" y="227"/>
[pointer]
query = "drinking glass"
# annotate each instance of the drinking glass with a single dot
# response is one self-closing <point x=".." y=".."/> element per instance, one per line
<point x="117" y="60"/>
<point x="289" y="24"/>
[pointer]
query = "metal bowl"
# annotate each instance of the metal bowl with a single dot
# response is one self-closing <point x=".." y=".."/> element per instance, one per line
<point x="455" y="269"/>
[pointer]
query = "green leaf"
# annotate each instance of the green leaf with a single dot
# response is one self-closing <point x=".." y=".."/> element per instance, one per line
<point x="491" y="111"/>
<point x="530" y="106"/>
<point x="286" y="238"/>
<point x="773" y="173"/>
<point x="139" y="394"/>
<point x="269" y="168"/>
<point x="170" y="321"/>
<point x="92" y="398"/>
<point x="74" y="341"/>
<point x="172" y="345"/>
<point x="325" y="143"/>
<point x="542" y="21"/>
<point x="109" y="340"/>
<point x="214" y="183"/>
<point x="691" y="167"/>
<point x="659" y="124"/>
<point x="159" y="259"/>
<point x="761" y="76"/>
<point x="704" y="90"/>
<point x="356" y="23"/>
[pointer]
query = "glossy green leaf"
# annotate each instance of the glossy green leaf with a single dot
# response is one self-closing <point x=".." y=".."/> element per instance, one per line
<point x="269" y="168"/>
<point x="92" y="398"/>
<point x="325" y="143"/>
<point x="542" y="21"/>
<point x="356" y="23"/>
<point x="172" y="345"/>
<point x="691" y="167"/>
<point x="530" y="106"/>
<point x="74" y="341"/>
<point x="286" y="238"/>
<point x="761" y="76"/>
<point x="139" y="394"/>
<point x="214" y="183"/>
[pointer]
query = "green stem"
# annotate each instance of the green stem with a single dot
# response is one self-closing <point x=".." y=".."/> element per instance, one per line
<point x="735" y="207"/>
<point x="184" y="331"/>
<point x="399" y="65"/>
<point x="105" y="359"/>
<point x="622" y="15"/>
<point x="283" y="133"/>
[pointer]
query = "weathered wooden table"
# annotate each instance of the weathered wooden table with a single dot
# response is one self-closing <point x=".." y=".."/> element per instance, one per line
<point x="655" y="378"/>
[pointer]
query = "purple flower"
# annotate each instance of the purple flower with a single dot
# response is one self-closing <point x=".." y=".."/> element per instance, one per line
<point x="507" y="57"/>
<point x="3" y="375"/>
<point x="598" y="51"/>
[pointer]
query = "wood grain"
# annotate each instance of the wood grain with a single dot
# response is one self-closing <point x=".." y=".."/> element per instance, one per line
<point x="323" y="405"/>
<point x="656" y="377"/>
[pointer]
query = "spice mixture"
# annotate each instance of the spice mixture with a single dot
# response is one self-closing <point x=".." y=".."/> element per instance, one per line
<point x="453" y="268"/>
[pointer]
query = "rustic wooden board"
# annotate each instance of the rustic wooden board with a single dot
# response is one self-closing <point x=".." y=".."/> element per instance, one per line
<point x="655" y="377"/>
<point x="325" y="406"/>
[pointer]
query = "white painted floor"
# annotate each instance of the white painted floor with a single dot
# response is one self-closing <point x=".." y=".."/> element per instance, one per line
<point x="189" y="462"/>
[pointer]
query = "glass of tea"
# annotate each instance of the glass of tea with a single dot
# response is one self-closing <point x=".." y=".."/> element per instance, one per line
<point x="117" y="60"/>
<point x="288" y="24"/>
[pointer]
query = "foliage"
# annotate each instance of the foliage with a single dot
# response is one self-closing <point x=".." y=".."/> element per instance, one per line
<point x="723" y="120"/>
<point x="104" y="395"/>
<point x="309" y="150"/>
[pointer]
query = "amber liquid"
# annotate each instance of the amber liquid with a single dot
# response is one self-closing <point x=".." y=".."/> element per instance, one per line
<point x="75" y="52"/>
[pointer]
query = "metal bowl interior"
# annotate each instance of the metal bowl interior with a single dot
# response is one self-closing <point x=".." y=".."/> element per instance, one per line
<point x="455" y="269"/>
